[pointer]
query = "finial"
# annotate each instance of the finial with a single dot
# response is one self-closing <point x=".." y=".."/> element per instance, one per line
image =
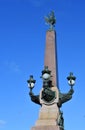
<point x="51" y="20"/>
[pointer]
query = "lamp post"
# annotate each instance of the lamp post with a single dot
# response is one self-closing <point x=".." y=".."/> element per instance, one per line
<point x="31" y="83"/>
<point x="46" y="77"/>
<point x="71" y="80"/>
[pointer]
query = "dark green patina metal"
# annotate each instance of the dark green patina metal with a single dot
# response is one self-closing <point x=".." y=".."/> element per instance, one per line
<point x="71" y="77"/>
<point x="60" y="121"/>
<point x="48" y="95"/>
<point x="64" y="97"/>
<point x="51" y="20"/>
<point x="46" y="70"/>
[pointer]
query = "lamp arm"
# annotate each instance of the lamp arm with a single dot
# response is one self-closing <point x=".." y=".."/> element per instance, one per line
<point x="71" y="91"/>
<point x="64" y="97"/>
<point x="34" y="98"/>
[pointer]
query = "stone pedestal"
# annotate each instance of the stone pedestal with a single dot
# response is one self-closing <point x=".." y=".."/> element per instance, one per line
<point x="46" y="128"/>
<point x="48" y="114"/>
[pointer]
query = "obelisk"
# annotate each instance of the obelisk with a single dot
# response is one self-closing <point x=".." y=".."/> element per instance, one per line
<point x="51" y="55"/>
<point x="50" y="98"/>
<point x="49" y="112"/>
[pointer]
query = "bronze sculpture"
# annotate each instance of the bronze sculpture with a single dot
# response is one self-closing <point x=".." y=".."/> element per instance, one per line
<point x="50" y="19"/>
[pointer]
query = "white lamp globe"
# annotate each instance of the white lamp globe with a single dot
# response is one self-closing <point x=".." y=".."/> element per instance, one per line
<point x="71" y="82"/>
<point x="31" y="85"/>
<point x="46" y="76"/>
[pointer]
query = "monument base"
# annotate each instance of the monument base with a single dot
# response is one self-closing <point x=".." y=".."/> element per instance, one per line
<point x="46" y="128"/>
<point x="51" y="122"/>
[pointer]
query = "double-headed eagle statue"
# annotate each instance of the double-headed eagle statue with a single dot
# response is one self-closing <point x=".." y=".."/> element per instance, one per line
<point x="51" y="20"/>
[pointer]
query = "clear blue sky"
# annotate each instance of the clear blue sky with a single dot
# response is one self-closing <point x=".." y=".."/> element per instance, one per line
<point x="22" y="45"/>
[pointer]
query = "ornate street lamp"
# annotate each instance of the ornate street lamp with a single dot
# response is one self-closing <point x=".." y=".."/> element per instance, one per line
<point x="46" y="74"/>
<point x="46" y="77"/>
<point x="71" y="79"/>
<point x="31" y="83"/>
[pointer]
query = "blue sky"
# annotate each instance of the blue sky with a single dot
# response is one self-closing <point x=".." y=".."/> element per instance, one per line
<point x="22" y="46"/>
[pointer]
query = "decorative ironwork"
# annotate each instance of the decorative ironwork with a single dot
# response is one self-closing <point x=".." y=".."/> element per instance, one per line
<point x="48" y="95"/>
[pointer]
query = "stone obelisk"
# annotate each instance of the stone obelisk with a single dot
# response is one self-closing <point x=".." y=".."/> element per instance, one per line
<point x="49" y="112"/>
<point x="50" y="97"/>
<point x="51" y="55"/>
